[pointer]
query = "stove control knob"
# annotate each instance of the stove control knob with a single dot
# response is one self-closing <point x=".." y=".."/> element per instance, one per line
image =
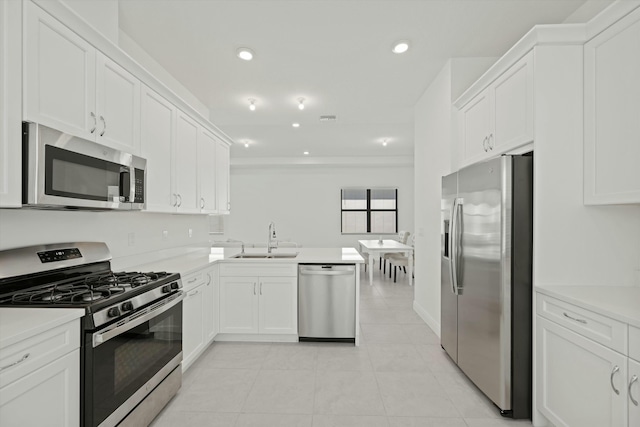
<point x="113" y="312"/>
<point x="166" y="289"/>
<point x="175" y="285"/>
<point x="127" y="306"/>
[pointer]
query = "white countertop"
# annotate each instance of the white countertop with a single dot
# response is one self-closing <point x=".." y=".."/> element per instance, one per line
<point x="18" y="323"/>
<point x="617" y="302"/>
<point x="197" y="260"/>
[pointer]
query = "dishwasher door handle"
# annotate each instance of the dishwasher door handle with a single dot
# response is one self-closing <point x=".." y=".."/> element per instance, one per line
<point x="327" y="273"/>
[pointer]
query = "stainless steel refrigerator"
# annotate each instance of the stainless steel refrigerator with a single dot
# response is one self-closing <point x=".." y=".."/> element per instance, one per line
<point x="486" y="260"/>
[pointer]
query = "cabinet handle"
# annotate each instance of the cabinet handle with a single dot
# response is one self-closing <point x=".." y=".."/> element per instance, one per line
<point x="254" y="288"/>
<point x="208" y="279"/>
<point x="192" y="293"/>
<point x="104" y="128"/>
<point x="192" y="280"/>
<point x="489" y="143"/>
<point x="201" y="202"/>
<point x="175" y="199"/>
<point x="584" y="322"/>
<point x="615" y="369"/>
<point x="95" y="122"/>
<point x="26" y="356"/>
<point x="179" y="198"/>
<point x="633" y="380"/>
<point x="260" y="288"/>
<point x="484" y="144"/>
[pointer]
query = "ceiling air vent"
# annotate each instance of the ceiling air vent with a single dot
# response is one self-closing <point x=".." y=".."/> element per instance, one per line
<point x="327" y="118"/>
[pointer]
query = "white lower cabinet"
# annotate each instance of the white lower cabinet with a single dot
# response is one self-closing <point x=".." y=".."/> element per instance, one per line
<point x="578" y="379"/>
<point x="262" y="304"/>
<point x="583" y="376"/>
<point x="210" y="305"/>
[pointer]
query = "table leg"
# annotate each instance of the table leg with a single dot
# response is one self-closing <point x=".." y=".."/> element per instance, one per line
<point x="410" y="258"/>
<point x="371" y="263"/>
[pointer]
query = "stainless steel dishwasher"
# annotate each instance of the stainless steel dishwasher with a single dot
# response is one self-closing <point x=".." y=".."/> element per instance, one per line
<point x="327" y="302"/>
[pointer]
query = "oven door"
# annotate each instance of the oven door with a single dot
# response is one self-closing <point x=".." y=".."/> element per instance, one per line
<point x="122" y="364"/>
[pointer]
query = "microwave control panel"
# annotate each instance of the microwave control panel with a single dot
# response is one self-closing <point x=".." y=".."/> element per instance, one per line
<point x="139" y="189"/>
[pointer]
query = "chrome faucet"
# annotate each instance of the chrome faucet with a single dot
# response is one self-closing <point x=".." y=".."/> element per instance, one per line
<point x="272" y="242"/>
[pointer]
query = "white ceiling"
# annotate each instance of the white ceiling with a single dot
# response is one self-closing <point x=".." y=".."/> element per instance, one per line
<point x="334" y="53"/>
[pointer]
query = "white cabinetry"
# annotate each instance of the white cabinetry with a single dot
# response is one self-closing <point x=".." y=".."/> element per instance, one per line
<point x="186" y="165"/>
<point x="222" y="178"/>
<point x="612" y="114"/>
<point x="500" y="118"/>
<point x="44" y="368"/>
<point x="199" y="314"/>
<point x="70" y="86"/>
<point x="585" y="367"/>
<point x="259" y="299"/>
<point x="207" y="168"/>
<point x="10" y="102"/>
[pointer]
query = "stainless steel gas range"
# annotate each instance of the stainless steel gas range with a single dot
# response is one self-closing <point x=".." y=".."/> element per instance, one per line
<point x="131" y="338"/>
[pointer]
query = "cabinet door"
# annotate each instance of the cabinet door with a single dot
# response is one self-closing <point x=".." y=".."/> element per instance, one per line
<point x="475" y="122"/>
<point x="222" y="178"/>
<point x="513" y="107"/>
<point x="10" y="102"/>
<point x="207" y="172"/>
<point x="633" y="390"/>
<point x="577" y="379"/>
<point x="54" y="388"/>
<point x="278" y="305"/>
<point x="158" y="126"/>
<point x="210" y="307"/>
<point x="117" y="105"/>
<point x="612" y="114"/>
<point x="186" y="168"/>
<point x="59" y="76"/>
<point x="239" y="305"/>
<point x="192" y="325"/>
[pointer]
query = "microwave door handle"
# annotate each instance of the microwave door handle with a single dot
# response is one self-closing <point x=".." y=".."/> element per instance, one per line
<point x="125" y="184"/>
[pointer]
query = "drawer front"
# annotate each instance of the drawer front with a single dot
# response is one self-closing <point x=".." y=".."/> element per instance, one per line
<point x="26" y="356"/>
<point x="634" y="343"/>
<point x="602" y="329"/>
<point x="236" y="269"/>
<point x="190" y="281"/>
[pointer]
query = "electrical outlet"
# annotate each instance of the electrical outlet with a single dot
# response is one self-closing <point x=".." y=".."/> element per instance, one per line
<point x="165" y="234"/>
<point x="131" y="239"/>
<point x="190" y="232"/>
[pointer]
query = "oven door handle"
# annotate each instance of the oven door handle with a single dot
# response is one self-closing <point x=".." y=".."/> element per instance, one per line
<point x="102" y="337"/>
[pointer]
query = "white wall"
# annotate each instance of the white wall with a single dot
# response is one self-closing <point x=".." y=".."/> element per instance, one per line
<point x="304" y="201"/>
<point x="24" y="227"/>
<point x="100" y="14"/>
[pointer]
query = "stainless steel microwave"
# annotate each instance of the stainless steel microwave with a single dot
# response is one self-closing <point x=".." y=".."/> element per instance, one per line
<point x="63" y="171"/>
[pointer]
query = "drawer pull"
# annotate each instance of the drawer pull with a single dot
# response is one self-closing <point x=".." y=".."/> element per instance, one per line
<point x="615" y="369"/>
<point x="576" y="319"/>
<point x="26" y="356"/>
<point x="192" y="280"/>
<point x="633" y="380"/>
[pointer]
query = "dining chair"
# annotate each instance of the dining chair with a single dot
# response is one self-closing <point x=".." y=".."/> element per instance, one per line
<point x="400" y="260"/>
<point x="403" y="237"/>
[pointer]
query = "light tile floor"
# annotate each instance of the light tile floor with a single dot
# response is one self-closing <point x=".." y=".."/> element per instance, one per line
<point x="398" y="377"/>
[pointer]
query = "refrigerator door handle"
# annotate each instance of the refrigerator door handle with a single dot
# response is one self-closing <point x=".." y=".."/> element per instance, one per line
<point x="452" y="252"/>
<point x="453" y="235"/>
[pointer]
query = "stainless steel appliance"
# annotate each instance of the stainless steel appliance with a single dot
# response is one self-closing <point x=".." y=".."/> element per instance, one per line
<point x="486" y="269"/>
<point x="131" y="349"/>
<point x="327" y="302"/>
<point x="63" y="171"/>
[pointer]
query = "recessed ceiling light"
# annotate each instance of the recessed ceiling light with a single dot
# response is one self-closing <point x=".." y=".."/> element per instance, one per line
<point x="306" y="153"/>
<point x="246" y="145"/>
<point x="296" y="125"/>
<point x="301" y="103"/>
<point x="400" y="47"/>
<point x="245" y="53"/>
<point x="384" y="143"/>
<point x="252" y="104"/>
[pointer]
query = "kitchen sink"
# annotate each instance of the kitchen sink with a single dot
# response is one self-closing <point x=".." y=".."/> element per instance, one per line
<point x="265" y="256"/>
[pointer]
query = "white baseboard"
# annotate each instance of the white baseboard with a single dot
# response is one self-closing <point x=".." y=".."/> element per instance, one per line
<point x="424" y="315"/>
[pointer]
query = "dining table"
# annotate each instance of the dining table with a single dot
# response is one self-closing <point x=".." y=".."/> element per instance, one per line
<point x="376" y="248"/>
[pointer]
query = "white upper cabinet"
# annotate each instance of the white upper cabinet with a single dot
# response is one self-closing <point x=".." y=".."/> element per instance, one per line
<point x="10" y="102"/>
<point x="207" y="172"/>
<point x="158" y="132"/>
<point x="117" y="106"/>
<point x="59" y="76"/>
<point x="186" y="165"/>
<point x="500" y="118"/>
<point x="70" y="86"/>
<point x="612" y="114"/>
<point x="222" y="178"/>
